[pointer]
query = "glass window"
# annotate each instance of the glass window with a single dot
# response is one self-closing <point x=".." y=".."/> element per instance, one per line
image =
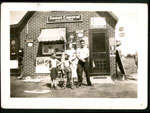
<point x="48" y="48"/>
<point x="99" y="42"/>
<point x="98" y="22"/>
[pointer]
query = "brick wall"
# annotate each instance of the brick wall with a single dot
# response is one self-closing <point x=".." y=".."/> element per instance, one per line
<point x="38" y="21"/>
<point x="111" y="33"/>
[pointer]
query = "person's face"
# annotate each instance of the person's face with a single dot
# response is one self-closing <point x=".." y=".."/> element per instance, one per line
<point x="82" y="44"/>
<point x="66" y="57"/>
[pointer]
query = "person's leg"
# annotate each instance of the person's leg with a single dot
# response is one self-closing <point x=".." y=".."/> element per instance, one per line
<point x="79" y="73"/>
<point x="55" y="84"/>
<point x="70" y="79"/>
<point x="66" y="77"/>
<point x="75" y="75"/>
<point x="72" y="75"/>
<point x="86" y="69"/>
<point x="52" y="83"/>
<point x="20" y="72"/>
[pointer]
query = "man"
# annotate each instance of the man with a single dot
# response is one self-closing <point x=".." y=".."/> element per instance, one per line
<point x="20" y="60"/>
<point x="83" y="65"/>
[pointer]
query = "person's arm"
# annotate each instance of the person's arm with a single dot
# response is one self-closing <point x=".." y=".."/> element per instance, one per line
<point x="74" y="57"/>
<point x="58" y="62"/>
<point x="50" y="65"/>
<point x="87" y="52"/>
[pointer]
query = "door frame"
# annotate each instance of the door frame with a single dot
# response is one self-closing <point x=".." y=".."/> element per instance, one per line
<point x="99" y="30"/>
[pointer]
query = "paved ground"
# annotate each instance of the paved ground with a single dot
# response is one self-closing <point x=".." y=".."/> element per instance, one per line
<point x="103" y="88"/>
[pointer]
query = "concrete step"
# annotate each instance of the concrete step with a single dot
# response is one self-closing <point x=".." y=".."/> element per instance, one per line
<point x="101" y="79"/>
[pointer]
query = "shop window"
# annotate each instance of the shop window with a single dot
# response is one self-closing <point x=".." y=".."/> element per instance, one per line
<point x="47" y="48"/>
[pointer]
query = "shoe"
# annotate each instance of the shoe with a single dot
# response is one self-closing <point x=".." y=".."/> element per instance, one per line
<point x="20" y="77"/>
<point x="90" y="84"/>
<point x="78" y="85"/>
<point x="72" y="86"/>
<point x="55" y="87"/>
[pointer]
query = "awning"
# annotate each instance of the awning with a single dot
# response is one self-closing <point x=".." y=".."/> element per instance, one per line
<point x="52" y="34"/>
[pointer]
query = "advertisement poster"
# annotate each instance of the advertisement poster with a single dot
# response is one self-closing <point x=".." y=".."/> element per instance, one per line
<point x="42" y="65"/>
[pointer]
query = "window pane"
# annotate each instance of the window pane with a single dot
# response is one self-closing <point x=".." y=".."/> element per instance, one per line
<point x="99" y="42"/>
<point x="47" y="49"/>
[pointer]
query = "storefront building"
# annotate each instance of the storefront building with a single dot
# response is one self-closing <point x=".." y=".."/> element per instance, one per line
<point x="53" y="29"/>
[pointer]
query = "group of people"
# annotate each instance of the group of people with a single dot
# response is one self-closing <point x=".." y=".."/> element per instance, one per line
<point x="71" y="66"/>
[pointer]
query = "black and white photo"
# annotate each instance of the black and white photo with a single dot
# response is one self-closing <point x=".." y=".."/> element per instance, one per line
<point x="57" y="53"/>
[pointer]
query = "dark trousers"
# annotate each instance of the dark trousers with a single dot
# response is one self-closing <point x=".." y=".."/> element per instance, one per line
<point x="83" y="66"/>
<point x="67" y="72"/>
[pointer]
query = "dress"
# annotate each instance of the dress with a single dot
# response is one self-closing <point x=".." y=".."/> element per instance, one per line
<point x="74" y="62"/>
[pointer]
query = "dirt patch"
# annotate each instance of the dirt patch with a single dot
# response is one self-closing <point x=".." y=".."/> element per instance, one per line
<point x="105" y="90"/>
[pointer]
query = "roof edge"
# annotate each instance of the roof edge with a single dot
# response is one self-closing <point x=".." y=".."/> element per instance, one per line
<point x="113" y="15"/>
<point x="25" y="18"/>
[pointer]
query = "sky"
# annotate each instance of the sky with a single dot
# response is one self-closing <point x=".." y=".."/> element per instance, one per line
<point x="126" y="19"/>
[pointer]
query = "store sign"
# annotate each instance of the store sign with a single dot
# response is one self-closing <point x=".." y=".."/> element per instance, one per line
<point x="121" y="32"/>
<point x="98" y="22"/>
<point x="42" y="64"/>
<point x="121" y="28"/>
<point x="13" y="64"/>
<point x="66" y="18"/>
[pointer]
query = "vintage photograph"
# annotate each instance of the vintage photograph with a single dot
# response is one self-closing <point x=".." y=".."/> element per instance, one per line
<point x="70" y="54"/>
<point x="73" y="54"/>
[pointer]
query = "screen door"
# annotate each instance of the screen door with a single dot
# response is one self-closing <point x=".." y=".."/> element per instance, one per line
<point x="99" y="52"/>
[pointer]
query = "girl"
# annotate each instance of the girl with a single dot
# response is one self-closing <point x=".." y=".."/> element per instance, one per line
<point x="74" y="61"/>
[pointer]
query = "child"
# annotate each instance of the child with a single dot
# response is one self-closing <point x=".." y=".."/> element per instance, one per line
<point x="53" y="70"/>
<point x="74" y="61"/>
<point x="67" y="70"/>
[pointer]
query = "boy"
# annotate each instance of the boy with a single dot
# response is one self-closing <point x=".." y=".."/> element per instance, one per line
<point x="53" y="63"/>
<point x="67" y="70"/>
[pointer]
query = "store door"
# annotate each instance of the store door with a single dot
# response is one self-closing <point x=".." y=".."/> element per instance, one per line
<point x="99" y="52"/>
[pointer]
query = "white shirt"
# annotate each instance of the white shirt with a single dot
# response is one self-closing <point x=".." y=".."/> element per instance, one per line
<point x="66" y="63"/>
<point x="54" y="63"/>
<point x="72" y="54"/>
<point x="83" y="53"/>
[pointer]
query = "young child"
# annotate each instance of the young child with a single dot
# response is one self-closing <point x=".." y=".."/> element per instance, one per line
<point x="67" y="70"/>
<point x="74" y="61"/>
<point x="53" y="63"/>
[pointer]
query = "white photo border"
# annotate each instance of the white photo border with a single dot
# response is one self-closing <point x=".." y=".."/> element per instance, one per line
<point x="75" y="103"/>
